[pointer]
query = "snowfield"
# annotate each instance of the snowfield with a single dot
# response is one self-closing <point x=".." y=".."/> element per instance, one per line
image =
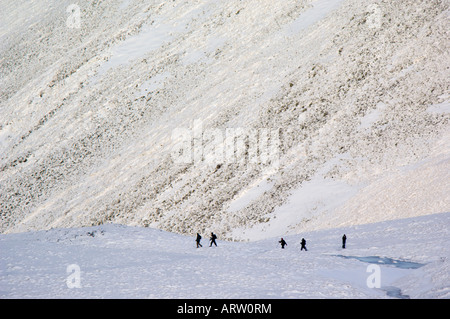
<point x="128" y="126"/>
<point x="116" y="261"/>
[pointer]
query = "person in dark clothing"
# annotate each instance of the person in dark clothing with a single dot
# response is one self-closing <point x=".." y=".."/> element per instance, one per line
<point x="213" y="239"/>
<point x="303" y="243"/>
<point x="344" y="239"/>
<point x="283" y="243"/>
<point x="198" y="240"/>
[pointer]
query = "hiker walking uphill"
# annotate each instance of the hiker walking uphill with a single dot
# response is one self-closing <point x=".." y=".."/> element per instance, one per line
<point x="303" y="243"/>
<point x="213" y="239"/>
<point x="283" y="243"/>
<point x="198" y="240"/>
<point x="344" y="239"/>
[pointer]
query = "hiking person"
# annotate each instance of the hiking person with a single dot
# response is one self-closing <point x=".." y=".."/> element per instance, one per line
<point x="303" y="243"/>
<point x="283" y="243"/>
<point x="198" y="240"/>
<point x="344" y="239"/>
<point x="213" y="239"/>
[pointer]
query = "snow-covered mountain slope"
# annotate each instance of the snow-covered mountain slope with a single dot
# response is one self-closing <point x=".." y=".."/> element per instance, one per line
<point x="406" y="258"/>
<point x="342" y="107"/>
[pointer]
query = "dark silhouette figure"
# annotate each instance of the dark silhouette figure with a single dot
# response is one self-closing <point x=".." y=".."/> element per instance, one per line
<point x="198" y="240"/>
<point x="213" y="239"/>
<point x="283" y="243"/>
<point x="344" y="239"/>
<point x="303" y="243"/>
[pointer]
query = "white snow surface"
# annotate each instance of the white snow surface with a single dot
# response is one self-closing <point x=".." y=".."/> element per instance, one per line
<point x="117" y="261"/>
<point x="357" y="91"/>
